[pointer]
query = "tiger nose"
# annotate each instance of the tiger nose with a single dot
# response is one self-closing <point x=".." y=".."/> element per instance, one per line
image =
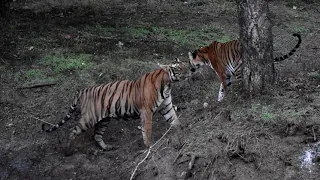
<point x="193" y="69"/>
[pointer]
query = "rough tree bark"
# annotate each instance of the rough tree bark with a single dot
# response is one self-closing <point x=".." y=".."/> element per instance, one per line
<point x="256" y="46"/>
<point x="4" y="7"/>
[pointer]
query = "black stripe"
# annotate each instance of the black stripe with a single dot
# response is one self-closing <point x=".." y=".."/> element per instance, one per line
<point x="111" y="97"/>
<point x="162" y="89"/>
<point x="104" y="114"/>
<point x="156" y="75"/>
<point x="118" y="108"/>
<point x="167" y="112"/>
<point x="170" y="119"/>
<point x="102" y="99"/>
<point x="165" y="107"/>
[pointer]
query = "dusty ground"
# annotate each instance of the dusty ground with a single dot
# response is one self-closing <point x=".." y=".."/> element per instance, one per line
<point x="239" y="138"/>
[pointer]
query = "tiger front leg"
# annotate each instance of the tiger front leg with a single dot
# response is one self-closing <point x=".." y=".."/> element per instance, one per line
<point x="146" y="127"/>
<point x="168" y="112"/>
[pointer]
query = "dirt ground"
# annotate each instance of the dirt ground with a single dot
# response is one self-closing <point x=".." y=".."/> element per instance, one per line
<point x="240" y="138"/>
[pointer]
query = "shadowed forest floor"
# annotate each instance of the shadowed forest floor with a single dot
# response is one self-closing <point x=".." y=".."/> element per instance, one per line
<point x="76" y="45"/>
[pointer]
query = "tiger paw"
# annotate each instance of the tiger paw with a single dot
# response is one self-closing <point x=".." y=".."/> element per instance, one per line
<point x="108" y="147"/>
<point x="104" y="146"/>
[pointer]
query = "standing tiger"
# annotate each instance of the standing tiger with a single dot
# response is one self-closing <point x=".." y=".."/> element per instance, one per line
<point x="136" y="99"/>
<point x="225" y="59"/>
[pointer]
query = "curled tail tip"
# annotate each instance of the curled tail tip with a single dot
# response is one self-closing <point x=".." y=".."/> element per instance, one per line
<point x="297" y="35"/>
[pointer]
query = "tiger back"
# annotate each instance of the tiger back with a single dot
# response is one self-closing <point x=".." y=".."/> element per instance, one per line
<point x="122" y="99"/>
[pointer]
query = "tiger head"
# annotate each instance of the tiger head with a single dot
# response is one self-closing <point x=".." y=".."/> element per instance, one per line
<point x="198" y="58"/>
<point x="177" y="70"/>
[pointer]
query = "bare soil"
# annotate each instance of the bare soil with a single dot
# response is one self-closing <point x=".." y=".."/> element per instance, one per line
<point x="240" y="138"/>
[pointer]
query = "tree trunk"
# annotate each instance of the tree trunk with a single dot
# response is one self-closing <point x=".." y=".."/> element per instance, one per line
<point x="4" y="7"/>
<point x="256" y="46"/>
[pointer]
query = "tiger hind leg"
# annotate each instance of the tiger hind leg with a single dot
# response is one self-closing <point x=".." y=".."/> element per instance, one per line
<point x="75" y="132"/>
<point x="100" y="128"/>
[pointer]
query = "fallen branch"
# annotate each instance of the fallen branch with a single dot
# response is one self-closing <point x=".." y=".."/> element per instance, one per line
<point x="135" y="169"/>
<point x="149" y="151"/>
<point x="211" y="162"/>
<point x="4" y="61"/>
<point x="38" y="85"/>
<point x="191" y="163"/>
<point x="314" y="135"/>
<point x="179" y="153"/>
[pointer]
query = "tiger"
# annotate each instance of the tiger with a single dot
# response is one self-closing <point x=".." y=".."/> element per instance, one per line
<point x="225" y="59"/>
<point x="137" y="99"/>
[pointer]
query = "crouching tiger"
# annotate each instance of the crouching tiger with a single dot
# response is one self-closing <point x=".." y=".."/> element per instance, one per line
<point x="136" y="99"/>
<point x="225" y="59"/>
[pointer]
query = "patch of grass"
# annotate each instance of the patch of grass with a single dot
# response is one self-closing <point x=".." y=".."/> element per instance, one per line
<point x="266" y="116"/>
<point x="195" y="38"/>
<point x="298" y="29"/>
<point x="100" y="30"/>
<point x="137" y="32"/>
<point x="34" y="73"/>
<point x="254" y="107"/>
<point x="224" y="38"/>
<point x="61" y="63"/>
<point x="262" y="113"/>
<point x="32" y="76"/>
<point x="315" y="75"/>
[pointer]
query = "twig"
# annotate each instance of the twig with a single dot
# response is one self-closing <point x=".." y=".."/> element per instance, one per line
<point x="191" y="163"/>
<point x="163" y="134"/>
<point x="218" y="115"/>
<point x="149" y="150"/>
<point x="4" y="61"/>
<point x="211" y="162"/>
<point x="135" y="169"/>
<point x="179" y="153"/>
<point x="159" y="146"/>
<point x="161" y="137"/>
<point x="47" y="122"/>
<point x="314" y="135"/>
<point x="38" y="85"/>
